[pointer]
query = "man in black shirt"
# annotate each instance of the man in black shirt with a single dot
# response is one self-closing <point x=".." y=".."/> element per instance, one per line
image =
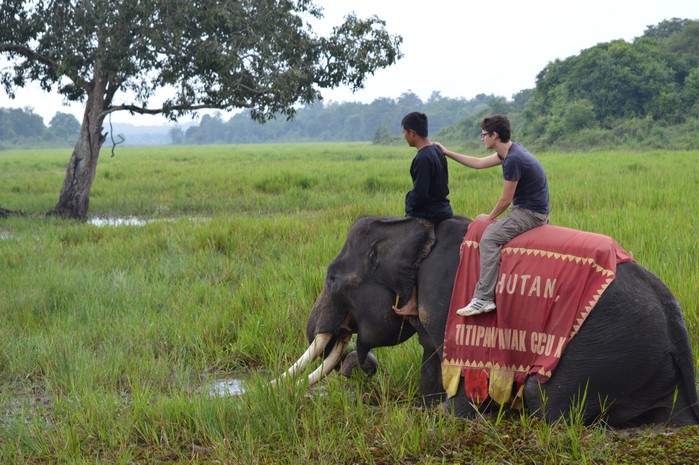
<point x="428" y="198"/>
<point x="429" y="172"/>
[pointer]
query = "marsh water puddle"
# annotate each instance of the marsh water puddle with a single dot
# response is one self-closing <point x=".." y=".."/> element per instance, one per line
<point x="226" y="387"/>
<point x="133" y="220"/>
<point x="237" y="386"/>
<point x="118" y="221"/>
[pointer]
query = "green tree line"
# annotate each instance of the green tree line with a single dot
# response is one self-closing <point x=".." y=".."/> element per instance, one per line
<point x="21" y="127"/>
<point x="378" y="121"/>
<point x="642" y="94"/>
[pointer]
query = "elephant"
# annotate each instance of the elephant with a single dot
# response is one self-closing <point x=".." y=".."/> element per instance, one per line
<point x="632" y="356"/>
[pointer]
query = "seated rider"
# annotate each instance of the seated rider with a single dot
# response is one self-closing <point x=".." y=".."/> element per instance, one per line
<point x="430" y="175"/>
<point x="525" y="191"/>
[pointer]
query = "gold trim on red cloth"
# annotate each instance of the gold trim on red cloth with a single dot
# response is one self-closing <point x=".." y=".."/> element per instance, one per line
<point x="550" y="279"/>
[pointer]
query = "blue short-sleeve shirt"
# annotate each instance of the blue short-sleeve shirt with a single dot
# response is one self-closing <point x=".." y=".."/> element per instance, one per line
<point x="532" y="190"/>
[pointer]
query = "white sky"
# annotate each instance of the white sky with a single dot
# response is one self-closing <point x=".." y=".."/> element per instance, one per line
<point x="460" y="48"/>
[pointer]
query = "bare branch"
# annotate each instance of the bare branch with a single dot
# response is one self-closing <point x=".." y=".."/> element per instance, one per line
<point x="29" y="54"/>
<point x="170" y="108"/>
<point x="52" y="65"/>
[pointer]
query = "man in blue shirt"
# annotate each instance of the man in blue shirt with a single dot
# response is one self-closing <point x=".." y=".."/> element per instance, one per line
<point x="525" y="191"/>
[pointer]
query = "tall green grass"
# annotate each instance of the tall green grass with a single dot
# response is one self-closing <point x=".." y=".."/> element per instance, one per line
<point x="110" y="336"/>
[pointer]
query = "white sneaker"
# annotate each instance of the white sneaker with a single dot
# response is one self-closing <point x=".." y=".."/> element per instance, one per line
<point x="476" y="307"/>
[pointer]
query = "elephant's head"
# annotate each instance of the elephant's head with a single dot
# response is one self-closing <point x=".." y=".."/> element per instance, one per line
<point x="377" y="264"/>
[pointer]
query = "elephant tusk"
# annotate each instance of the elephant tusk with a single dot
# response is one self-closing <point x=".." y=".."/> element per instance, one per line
<point x="329" y="363"/>
<point x="314" y="350"/>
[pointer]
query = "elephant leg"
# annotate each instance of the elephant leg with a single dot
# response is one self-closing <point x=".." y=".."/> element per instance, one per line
<point x="555" y="402"/>
<point x="461" y="406"/>
<point x="564" y="399"/>
<point x="431" y="386"/>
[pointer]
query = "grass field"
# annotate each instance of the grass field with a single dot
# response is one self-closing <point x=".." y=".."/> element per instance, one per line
<point x="112" y="336"/>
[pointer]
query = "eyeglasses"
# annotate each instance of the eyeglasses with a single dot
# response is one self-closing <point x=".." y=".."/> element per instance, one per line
<point x="483" y="134"/>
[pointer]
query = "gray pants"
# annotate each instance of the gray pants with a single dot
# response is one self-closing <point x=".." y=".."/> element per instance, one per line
<point x="517" y="221"/>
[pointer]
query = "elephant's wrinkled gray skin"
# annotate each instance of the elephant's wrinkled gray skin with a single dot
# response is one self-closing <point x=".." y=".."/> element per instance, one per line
<point x="632" y="354"/>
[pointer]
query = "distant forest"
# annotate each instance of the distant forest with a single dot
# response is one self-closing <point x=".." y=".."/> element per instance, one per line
<point x="378" y="121"/>
<point x="21" y="127"/>
<point x="640" y="95"/>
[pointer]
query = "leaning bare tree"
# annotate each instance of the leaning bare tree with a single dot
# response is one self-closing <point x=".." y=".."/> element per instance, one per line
<point x="113" y="55"/>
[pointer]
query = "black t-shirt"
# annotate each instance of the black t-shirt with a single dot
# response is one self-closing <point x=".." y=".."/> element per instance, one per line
<point x="430" y="175"/>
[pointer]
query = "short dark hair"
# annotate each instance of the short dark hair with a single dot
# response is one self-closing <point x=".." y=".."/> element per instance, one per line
<point x="499" y="124"/>
<point x="415" y="121"/>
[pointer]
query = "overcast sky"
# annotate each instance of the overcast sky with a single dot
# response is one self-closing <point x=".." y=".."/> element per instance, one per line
<point x="460" y="48"/>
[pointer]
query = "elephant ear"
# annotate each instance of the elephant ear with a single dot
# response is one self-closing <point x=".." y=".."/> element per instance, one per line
<point x="397" y="250"/>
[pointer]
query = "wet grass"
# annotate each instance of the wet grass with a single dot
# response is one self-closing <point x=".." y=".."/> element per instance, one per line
<point x="110" y="335"/>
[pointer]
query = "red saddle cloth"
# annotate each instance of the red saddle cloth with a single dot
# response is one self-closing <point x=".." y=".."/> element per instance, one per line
<point x="550" y="279"/>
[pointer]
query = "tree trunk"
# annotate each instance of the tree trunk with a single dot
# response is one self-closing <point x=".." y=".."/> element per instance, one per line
<point x="74" y="199"/>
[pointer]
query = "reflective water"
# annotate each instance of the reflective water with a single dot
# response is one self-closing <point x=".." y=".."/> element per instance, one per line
<point x="118" y="221"/>
<point x="133" y="220"/>
<point x="236" y="387"/>
<point x="227" y="387"/>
